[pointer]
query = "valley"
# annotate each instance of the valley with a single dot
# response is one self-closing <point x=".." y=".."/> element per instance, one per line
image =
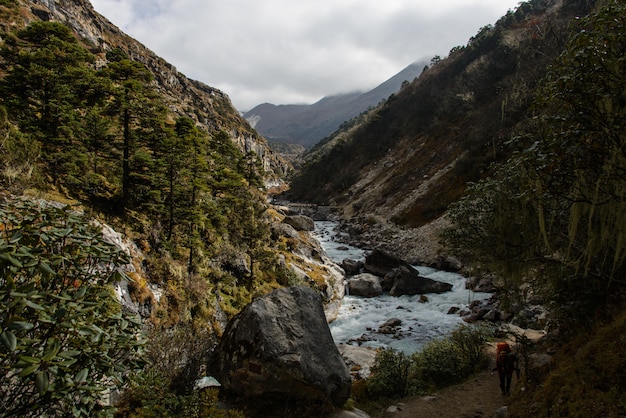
<point x="143" y="222"/>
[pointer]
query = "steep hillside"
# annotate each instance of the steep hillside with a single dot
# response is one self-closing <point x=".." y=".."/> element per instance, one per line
<point x="407" y="160"/>
<point x="307" y="124"/>
<point x="208" y="106"/>
<point x="516" y="141"/>
<point x="133" y="220"/>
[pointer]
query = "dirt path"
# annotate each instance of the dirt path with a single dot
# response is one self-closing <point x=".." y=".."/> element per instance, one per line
<point x="478" y="397"/>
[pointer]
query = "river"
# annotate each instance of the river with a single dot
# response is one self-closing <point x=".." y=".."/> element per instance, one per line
<point x="360" y="318"/>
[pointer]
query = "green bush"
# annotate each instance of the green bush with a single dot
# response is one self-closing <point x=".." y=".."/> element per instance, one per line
<point x="65" y="341"/>
<point x="440" y="363"/>
<point x="389" y="374"/>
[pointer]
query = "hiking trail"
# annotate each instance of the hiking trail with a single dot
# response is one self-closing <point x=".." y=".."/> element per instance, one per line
<point x="477" y="397"/>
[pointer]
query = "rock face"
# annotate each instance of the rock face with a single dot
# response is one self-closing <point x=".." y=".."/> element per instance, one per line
<point x="279" y="350"/>
<point x="209" y="107"/>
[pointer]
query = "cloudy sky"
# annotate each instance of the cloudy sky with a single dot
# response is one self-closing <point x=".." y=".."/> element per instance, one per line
<point x="298" y="51"/>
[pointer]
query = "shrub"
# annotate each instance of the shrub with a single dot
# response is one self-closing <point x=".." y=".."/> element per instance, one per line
<point x="440" y="363"/>
<point x="389" y="374"/>
<point x="65" y="342"/>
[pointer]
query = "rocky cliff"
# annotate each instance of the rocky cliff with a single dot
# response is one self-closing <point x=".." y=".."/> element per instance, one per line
<point x="208" y="106"/>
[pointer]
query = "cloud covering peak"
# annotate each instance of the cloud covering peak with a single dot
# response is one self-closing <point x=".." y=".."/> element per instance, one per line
<point x="284" y="51"/>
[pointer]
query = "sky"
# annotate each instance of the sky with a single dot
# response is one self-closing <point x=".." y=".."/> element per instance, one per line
<point x="298" y="51"/>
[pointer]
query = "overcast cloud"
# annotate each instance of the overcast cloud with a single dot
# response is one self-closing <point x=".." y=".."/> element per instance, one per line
<point x="298" y="51"/>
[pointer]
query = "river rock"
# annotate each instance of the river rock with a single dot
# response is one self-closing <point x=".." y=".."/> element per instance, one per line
<point x="360" y="360"/>
<point x="447" y="263"/>
<point x="407" y="281"/>
<point x="381" y="263"/>
<point x="365" y="284"/>
<point x="351" y="267"/>
<point x="279" y="350"/>
<point x="300" y="222"/>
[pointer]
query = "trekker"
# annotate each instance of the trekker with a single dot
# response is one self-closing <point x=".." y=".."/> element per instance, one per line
<point x="506" y="364"/>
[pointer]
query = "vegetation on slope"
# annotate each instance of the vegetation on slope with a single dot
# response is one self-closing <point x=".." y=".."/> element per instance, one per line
<point x="550" y="220"/>
<point x="460" y="112"/>
<point x="535" y="131"/>
<point x="553" y="211"/>
<point x="91" y="129"/>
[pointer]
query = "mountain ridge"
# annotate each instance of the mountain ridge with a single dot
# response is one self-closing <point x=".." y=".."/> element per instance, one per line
<point x="408" y="159"/>
<point x="307" y="124"/>
<point x="209" y="107"/>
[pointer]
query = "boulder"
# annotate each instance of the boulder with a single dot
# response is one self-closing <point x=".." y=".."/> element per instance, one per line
<point x="381" y="263"/>
<point x="447" y="263"/>
<point x="407" y="281"/>
<point x="284" y="230"/>
<point x="365" y="284"/>
<point x="351" y="267"/>
<point x="300" y="222"/>
<point x="359" y="359"/>
<point x="278" y="350"/>
<point x="480" y="284"/>
<point x="390" y="326"/>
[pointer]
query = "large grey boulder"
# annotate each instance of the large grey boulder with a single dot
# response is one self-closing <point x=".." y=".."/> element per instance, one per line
<point x="365" y="284"/>
<point x="407" y="281"/>
<point x="279" y="350"/>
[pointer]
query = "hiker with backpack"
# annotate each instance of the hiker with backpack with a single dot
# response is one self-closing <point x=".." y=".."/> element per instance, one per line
<point x="506" y="364"/>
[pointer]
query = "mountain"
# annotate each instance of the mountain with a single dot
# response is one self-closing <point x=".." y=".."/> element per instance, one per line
<point x="411" y="157"/>
<point x="207" y="106"/>
<point x="509" y="153"/>
<point x="308" y="124"/>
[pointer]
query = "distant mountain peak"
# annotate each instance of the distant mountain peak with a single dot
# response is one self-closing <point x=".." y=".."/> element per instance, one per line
<point x="306" y="125"/>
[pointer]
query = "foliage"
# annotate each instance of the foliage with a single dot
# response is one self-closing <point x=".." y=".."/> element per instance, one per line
<point x="151" y="396"/>
<point x="19" y="153"/>
<point x="553" y="212"/>
<point x="389" y="374"/>
<point x="104" y="136"/>
<point x="65" y="340"/>
<point x="440" y="363"/>
<point x="586" y="376"/>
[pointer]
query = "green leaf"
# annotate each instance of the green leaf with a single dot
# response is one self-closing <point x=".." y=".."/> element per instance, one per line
<point x="21" y="325"/>
<point x="45" y="268"/>
<point x="33" y="305"/>
<point x="11" y="260"/>
<point x="9" y="340"/>
<point x="68" y="354"/>
<point x="86" y="331"/>
<point x="81" y="376"/>
<point x="30" y="359"/>
<point x="80" y="293"/>
<point x="29" y="370"/>
<point x="53" y="348"/>
<point x="16" y="237"/>
<point x="41" y="382"/>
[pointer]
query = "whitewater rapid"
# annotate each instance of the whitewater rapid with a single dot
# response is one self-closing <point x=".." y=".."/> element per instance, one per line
<point x="360" y="318"/>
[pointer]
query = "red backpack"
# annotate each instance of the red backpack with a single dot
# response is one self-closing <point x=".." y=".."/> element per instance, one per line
<point x="502" y="349"/>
